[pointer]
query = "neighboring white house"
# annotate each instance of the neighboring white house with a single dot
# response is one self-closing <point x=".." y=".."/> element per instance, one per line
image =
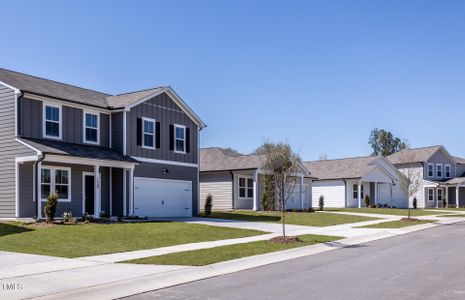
<point x="345" y="182"/>
<point x="236" y="181"/>
<point x="442" y="176"/>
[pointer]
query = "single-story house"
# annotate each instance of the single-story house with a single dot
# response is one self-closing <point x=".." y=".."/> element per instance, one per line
<point x="345" y="182"/>
<point x="236" y="181"/>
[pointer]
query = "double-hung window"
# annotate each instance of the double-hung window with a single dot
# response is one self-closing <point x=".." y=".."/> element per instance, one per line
<point x="148" y="133"/>
<point x="447" y="173"/>
<point x="439" y="170"/>
<point x="52" y="121"/>
<point x="179" y="138"/>
<point x="55" y="179"/>
<point x="355" y="191"/>
<point x="91" y="128"/>
<point x="430" y="170"/>
<point x="430" y="194"/>
<point x="439" y="195"/>
<point x="245" y="187"/>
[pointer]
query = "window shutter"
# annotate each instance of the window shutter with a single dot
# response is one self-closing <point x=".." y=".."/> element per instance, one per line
<point x="157" y="134"/>
<point x="139" y="132"/>
<point x="188" y="140"/>
<point x="171" y="137"/>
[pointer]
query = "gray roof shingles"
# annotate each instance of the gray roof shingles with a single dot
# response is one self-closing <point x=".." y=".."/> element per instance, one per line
<point x="413" y="155"/>
<point x="67" y="149"/>
<point x="215" y="159"/>
<point x="355" y="167"/>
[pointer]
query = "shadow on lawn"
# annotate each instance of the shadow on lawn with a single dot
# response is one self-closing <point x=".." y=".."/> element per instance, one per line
<point x="10" y="228"/>
<point x="245" y="217"/>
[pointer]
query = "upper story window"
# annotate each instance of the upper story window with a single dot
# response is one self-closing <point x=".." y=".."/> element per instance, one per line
<point x="447" y="172"/>
<point x="439" y="170"/>
<point x="148" y="133"/>
<point x="430" y="170"/>
<point x="91" y="128"/>
<point x="245" y="187"/>
<point x="179" y="138"/>
<point x="56" y="179"/>
<point x="52" y="121"/>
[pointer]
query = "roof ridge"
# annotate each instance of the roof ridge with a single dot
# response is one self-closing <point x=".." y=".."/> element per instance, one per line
<point x="59" y="82"/>
<point x="144" y="90"/>
<point x="342" y="158"/>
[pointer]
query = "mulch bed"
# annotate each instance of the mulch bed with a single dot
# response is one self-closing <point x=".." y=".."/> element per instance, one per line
<point x="286" y="240"/>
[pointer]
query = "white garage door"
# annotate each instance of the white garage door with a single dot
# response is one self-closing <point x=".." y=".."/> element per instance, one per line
<point x="162" y="198"/>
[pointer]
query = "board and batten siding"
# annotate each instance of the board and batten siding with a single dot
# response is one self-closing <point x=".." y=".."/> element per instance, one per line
<point x="333" y="192"/>
<point x="164" y="110"/>
<point x="117" y="131"/>
<point x="220" y="186"/>
<point x="31" y="118"/>
<point x="9" y="150"/>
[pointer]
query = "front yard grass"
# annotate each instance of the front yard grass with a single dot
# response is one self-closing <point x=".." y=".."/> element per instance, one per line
<point x="397" y="224"/>
<point x="294" y="218"/>
<point x="386" y="211"/>
<point x="213" y="255"/>
<point x="96" y="239"/>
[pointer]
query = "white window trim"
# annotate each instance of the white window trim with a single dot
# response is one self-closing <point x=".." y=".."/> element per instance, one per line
<point x="84" y="126"/>
<point x="450" y="171"/>
<point x="44" y="120"/>
<point x="246" y="187"/>
<point x="356" y="190"/>
<point x="52" y="181"/>
<point x="185" y="131"/>
<point x="154" y="133"/>
<point x="440" y="193"/>
<point x="427" y="170"/>
<point x="437" y="170"/>
<point x="430" y="189"/>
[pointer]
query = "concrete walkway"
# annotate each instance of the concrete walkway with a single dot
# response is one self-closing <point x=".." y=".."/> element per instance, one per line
<point x="93" y="278"/>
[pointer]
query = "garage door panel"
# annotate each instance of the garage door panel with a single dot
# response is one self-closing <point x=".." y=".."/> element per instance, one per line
<point x="162" y="198"/>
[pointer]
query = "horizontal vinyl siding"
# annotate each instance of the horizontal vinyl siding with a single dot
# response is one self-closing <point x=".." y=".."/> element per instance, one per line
<point x="219" y="185"/>
<point x="332" y="190"/>
<point x="9" y="149"/>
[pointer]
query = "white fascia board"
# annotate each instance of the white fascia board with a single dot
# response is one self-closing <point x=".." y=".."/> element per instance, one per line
<point x="29" y="146"/>
<point x="88" y="161"/>
<point x="165" y="162"/>
<point x="68" y="103"/>
<point x="16" y="90"/>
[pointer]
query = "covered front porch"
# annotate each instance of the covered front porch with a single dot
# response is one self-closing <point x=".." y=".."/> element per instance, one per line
<point x="451" y="191"/>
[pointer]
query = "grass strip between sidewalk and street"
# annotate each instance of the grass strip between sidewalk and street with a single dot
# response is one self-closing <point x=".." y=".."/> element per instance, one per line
<point x="397" y="224"/>
<point x="387" y="211"/>
<point x="208" y="256"/>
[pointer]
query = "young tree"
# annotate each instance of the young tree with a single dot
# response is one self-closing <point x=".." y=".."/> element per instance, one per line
<point x="283" y="165"/>
<point x="384" y="143"/>
<point x="413" y="176"/>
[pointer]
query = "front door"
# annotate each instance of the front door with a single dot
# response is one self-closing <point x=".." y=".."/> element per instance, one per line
<point x="89" y="194"/>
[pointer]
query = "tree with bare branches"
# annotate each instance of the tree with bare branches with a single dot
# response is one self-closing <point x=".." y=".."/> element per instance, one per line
<point x="282" y="164"/>
<point x="414" y="175"/>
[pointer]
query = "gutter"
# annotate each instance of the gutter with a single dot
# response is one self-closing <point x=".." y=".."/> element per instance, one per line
<point x="232" y="182"/>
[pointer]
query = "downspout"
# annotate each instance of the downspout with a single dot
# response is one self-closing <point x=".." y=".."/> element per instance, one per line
<point x="345" y="191"/>
<point x="233" y="189"/>
<point x="40" y="158"/>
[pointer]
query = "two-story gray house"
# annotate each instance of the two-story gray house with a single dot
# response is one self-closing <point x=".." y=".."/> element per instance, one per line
<point x="439" y="175"/>
<point x="128" y="154"/>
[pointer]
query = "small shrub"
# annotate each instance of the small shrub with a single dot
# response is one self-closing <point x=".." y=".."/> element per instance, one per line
<point x="321" y="202"/>
<point x="68" y="218"/>
<point x="444" y="202"/>
<point x="208" y="205"/>
<point x="414" y="202"/>
<point x="367" y="201"/>
<point x="104" y="215"/>
<point x="51" y="207"/>
<point x="86" y="218"/>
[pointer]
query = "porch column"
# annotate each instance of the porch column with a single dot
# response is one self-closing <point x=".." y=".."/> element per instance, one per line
<point x="97" y="193"/>
<point x="39" y="191"/>
<point x="255" y="191"/>
<point x="131" y="191"/>
<point x="436" y="196"/>
<point x="124" y="193"/>
<point x="302" y="192"/>
<point x="457" y="193"/>
<point x="359" y="194"/>
<point x="375" y="196"/>
<point x="447" y="195"/>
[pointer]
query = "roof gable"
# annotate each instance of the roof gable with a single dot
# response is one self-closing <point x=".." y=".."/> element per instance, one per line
<point x="354" y="167"/>
<point x="417" y="155"/>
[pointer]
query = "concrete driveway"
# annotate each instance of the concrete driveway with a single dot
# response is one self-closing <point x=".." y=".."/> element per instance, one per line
<point x="427" y="264"/>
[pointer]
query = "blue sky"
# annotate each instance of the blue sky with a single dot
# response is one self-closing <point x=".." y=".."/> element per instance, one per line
<point x="317" y="74"/>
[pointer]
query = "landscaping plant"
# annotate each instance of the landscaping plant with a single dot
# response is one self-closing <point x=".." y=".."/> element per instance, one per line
<point x="51" y="207"/>
<point x="367" y="201"/>
<point x="321" y="202"/>
<point x="414" y="202"/>
<point x="444" y="202"/>
<point x="208" y="205"/>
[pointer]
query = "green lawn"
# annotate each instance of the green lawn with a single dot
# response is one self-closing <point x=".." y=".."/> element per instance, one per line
<point x="95" y="239"/>
<point x="213" y="255"/>
<point x="295" y="218"/>
<point x="386" y="211"/>
<point x="397" y="224"/>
